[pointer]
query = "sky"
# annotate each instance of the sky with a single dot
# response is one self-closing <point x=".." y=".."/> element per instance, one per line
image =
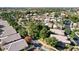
<point x="39" y="3"/>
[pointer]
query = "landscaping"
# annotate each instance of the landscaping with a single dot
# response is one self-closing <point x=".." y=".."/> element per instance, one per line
<point x="52" y="26"/>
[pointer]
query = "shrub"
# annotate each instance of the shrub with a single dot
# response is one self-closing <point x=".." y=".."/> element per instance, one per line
<point x="67" y="31"/>
<point x="22" y="31"/>
<point x="51" y="41"/>
<point x="72" y="35"/>
<point x="44" y="33"/>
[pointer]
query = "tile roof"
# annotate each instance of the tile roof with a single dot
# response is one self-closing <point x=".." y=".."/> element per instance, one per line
<point x="57" y="31"/>
<point x="11" y="38"/>
<point x="60" y="38"/>
<point x="5" y="23"/>
<point x="8" y="31"/>
<point x="16" y="46"/>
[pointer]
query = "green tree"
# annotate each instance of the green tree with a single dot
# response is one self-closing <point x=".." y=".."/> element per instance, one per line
<point x="12" y="21"/>
<point x="44" y="33"/>
<point x="72" y="35"/>
<point x="51" y="41"/>
<point x="22" y="31"/>
<point x="56" y="14"/>
<point x="67" y="31"/>
<point x="74" y="18"/>
<point x="34" y="28"/>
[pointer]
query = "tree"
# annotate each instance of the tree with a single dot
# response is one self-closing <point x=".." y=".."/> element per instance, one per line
<point x="12" y="21"/>
<point x="43" y="33"/>
<point x="22" y="31"/>
<point x="74" y="18"/>
<point x="72" y="35"/>
<point x="67" y="31"/>
<point x="34" y="28"/>
<point x="51" y="41"/>
<point x="28" y="39"/>
<point x="67" y="22"/>
<point x="56" y="14"/>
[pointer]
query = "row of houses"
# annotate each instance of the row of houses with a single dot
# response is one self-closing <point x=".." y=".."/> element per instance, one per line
<point x="10" y="40"/>
<point x="74" y="28"/>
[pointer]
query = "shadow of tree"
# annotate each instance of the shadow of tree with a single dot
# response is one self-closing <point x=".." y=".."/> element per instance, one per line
<point x="60" y="45"/>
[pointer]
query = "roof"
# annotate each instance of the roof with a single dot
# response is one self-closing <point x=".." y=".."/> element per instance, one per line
<point x="57" y="31"/>
<point x="5" y="23"/>
<point x="60" y="38"/>
<point x="11" y="38"/>
<point x="16" y="46"/>
<point x="8" y="31"/>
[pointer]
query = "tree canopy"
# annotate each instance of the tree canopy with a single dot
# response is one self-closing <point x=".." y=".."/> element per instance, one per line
<point x="52" y="41"/>
<point x="74" y="18"/>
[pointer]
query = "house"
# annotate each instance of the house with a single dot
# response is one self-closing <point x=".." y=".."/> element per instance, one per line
<point x="5" y="23"/>
<point x="59" y="35"/>
<point x="53" y="20"/>
<point x="46" y="20"/>
<point x="16" y="46"/>
<point x="10" y="39"/>
<point x="57" y="31"/>
<point x="75" y="25"/>
<point x="50" y="25"/>
<point x="61" y="38"/>
<point x="9" y="30"/>
<point x="55" y="26"/>
<point x="68" y="23"/>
